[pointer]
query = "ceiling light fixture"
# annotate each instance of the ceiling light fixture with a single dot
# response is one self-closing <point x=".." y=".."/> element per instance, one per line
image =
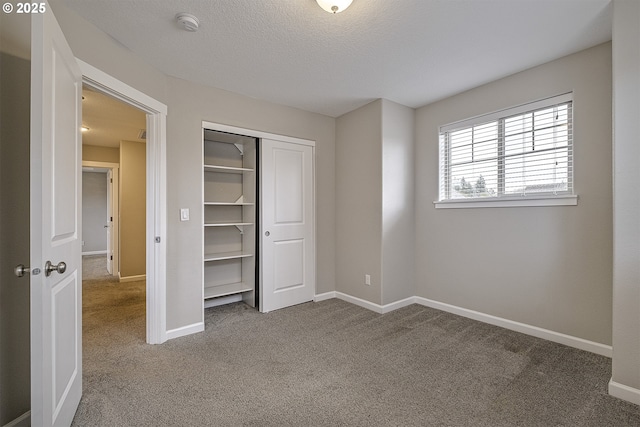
<point x="188" y="22"/>
<point x="334" y="6"/>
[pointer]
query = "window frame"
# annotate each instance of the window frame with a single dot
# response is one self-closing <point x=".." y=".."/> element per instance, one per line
<point x="567" y="198"/>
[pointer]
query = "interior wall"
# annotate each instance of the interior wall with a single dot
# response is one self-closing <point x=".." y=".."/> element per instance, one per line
<point x="94" y="212"/>
<point x="133" y="184"/>
<point x="398" y="202"/>
<point x="15" y="368"/>
<point x="626" y="235"/>
<point x="549" y="267"/>
<point x="359" y="202"/>
<point x="189" y="105"/>
<point x="92" y="153"/>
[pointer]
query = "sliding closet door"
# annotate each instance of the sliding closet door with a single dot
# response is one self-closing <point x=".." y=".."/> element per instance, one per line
<point x="287" y="227"/>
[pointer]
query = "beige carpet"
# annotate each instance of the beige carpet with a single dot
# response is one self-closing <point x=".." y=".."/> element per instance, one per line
<point x="332" y="364"/>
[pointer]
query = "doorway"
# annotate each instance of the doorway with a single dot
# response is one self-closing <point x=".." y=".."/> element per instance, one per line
<point x="154" y="197"/>
<point x="113" y="221"/>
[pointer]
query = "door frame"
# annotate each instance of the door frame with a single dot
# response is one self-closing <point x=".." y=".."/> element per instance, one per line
<point x="293" y="140"/>
<point x="115" y="207"/>
<point x="156" y="232"/>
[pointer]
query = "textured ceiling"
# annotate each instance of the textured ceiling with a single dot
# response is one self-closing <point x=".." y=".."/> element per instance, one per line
<point x="109" y="120"/>
<point x="291" y="52"/>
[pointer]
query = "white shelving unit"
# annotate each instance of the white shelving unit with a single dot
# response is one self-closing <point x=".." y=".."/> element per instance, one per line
<point x="229" y="213"/>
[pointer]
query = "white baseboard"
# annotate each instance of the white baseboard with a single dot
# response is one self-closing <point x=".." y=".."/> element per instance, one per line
<point x="132" y="278"/>
<point x="94" y="253"/>
<point x="185" y="330"/>
<point x="560" y="338"/>
<point x="325" y="296"/>
<point x="23" y="420"/>
<point x="216" y="302"/>
<point x="398" y="304"/>
<point x="373" y="306"/>
<point x="360" y="302"/>
<point x="624" y="392"/>
<point x="571" y="341"/>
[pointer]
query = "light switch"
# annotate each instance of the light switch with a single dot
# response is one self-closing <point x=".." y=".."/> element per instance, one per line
<point x="184" y="214"/>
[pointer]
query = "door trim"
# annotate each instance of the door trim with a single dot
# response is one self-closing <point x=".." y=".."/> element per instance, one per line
<point x="292" y="140"/>
<point x="257" y="134"/>
<point x="115" y="232"/>
<point x="156" y="192"/>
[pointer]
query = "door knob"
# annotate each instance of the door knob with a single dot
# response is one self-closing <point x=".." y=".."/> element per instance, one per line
<point x="21" y="270"/>
<point x="49" y="268"/>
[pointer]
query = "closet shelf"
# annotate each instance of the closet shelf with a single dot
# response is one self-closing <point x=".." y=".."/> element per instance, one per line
<point x="228" y="204"/>
<point x="226" y="255"/>
<point x="227" y="224"/>
<point x="213" y="291"/>
<point x="226" y="169"/>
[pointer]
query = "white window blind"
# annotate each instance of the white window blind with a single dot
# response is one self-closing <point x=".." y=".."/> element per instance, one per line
<point x="526" y="151"/>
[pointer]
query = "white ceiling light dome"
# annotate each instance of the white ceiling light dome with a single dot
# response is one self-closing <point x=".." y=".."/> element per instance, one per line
<point x="334" y="6"/>
<point x="188" y="22"/>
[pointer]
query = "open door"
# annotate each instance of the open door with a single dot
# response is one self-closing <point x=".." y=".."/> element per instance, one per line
<point x="287" y="224"/>
<point x="55" y="187"/>
<point x="109" y="225"/>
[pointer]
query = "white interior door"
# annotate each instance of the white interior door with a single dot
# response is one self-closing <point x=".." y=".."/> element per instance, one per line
<point x="55" y="223"/>
<point x="287" y="224"/>
<point x="109" y="223"/>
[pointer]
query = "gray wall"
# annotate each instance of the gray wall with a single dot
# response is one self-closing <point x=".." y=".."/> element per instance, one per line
<point x="375" y="202"/>
<point x="189" y="104"/>
<point x="94" y="211"/>
<point x="626" y="113"/>
<point x="359" y="202"/>
<point x="14" y="237"/>
<point x="549" y="267"/>
<point x="133" y="202"/>
<point x="398" y="204"/>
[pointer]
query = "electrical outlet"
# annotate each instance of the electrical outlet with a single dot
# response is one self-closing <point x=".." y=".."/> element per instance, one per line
<point x="367" y="280"/>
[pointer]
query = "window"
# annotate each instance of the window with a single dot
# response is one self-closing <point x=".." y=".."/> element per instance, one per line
<point x="523" y="153"/>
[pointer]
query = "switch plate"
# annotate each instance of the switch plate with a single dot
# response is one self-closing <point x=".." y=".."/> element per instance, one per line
<point x="184" y="214"/>
<point x="367" y="279"/>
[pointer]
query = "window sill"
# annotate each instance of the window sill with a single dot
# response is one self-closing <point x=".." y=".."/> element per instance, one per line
<point x="508" y="202"/>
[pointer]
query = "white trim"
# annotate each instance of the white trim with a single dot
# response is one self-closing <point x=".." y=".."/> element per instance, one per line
<point x="360" y="302"/>
<point x="382" y="309"/>
<point x="22" y="420"/>
<point x="156" y="192"/>
<point x="137" y="278"/>
<point x="325" y="296"/>
<point x="624" y="392"/>
<point x="106" y="83"/>
<point x="94" y="253"/>
<point x="185" y="330"/>
<point x="507" y="202"/>
<point x="510" y="111"/>
<point x="557" y="337"/>
<point x="387" y="308"/>
<point x="115" y="208"/>
<point x="216" y="302"/>
<point x="256" y="133"/>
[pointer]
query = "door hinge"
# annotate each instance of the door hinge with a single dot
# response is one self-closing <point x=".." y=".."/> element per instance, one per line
<point x="111" y="258"/>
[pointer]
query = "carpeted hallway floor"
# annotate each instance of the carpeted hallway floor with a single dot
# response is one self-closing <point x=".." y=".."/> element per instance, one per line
<point x="332" y="364"/>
